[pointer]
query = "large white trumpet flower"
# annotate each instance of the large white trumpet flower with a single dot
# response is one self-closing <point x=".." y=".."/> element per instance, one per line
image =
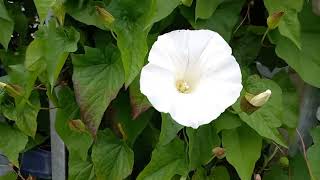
<point x="191" y="75"/>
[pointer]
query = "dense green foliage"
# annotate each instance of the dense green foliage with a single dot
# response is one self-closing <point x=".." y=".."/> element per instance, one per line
<point x="85" y="57"/>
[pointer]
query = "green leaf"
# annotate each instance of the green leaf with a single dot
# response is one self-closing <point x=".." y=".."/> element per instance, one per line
<point x="217" y="173"/>
<point x="7" y="25"/>
<point x="43" y="7"/>
<point x="163" y="9"/>
<point x="226" y="120"/>
<point x="86" y="13"/>
<point x="37" y="141"/>
<point x="289" y="25"/>
<point x="246" y="47"/>
<point x="26" y="119"/>
<point x="112" y="158"/>
<point x="12" y="142"/>
<point x="121" y="116"/>
<point x="131" y="19"/>
<point x="79" y="169"/>
<point x="222" y="21"/>
<point x="220" y="173"/>
<point x="205" y="8"/>
<point x="313" y="153"/>
<point x="9" y="176"/>
<point x="35" y="55"/>
<point x="267" y="118"/>
<point x="166" y="161"/>
<point x="307" y="60"/>
<point x="290" y="100"/>
<point x="243" y="146"/>
<point x="298" y="168"/>
<point x="169" y="129"/>
<point x="27" y="104"/>
<point x="52" y="49"/>
<point x="201" y="143"/>
<point x="94" y="93"/>
<point x="276" y="173"/>
<point x="77" y="142"/>
<point x="139" y="102"/>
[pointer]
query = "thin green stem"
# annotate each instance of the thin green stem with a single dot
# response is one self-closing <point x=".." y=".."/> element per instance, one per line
<point x="264" y="36"/>
<point x="305" y="155"/>
<point x="266" y="162"/>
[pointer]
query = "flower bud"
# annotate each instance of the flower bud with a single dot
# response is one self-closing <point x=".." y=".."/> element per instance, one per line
<point x="260" y="99"/>
<point x="257" y="177"/>
<point x="13" y="91"/>
<point x="284" y="161"/>
<point x="187" y="3"/>
<point x="274" y="19"/>
<point x="105" y="15"/>
<point x="77" y="125"/>
<point x="219" y="152"/>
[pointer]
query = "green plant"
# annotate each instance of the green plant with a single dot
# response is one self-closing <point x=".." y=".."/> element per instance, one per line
<point x="85" y="57"/>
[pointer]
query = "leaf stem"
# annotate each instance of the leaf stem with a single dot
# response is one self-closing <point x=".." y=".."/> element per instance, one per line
<point x="305" y="155"/>
<point x="263" y="37"/>
<point x="266" y="162"/>
<point x="48" y="108"/>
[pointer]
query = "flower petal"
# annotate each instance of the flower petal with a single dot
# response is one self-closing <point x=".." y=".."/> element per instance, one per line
<point x="158" y="85"/>
<point x="202" y="58"/>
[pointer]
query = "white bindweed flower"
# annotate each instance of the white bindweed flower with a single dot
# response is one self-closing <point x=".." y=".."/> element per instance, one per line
<point x="191" y="75"/>
<point x="260" y="99"/>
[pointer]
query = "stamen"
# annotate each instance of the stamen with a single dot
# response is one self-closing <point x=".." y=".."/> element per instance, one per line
<point x="183" y="86"/>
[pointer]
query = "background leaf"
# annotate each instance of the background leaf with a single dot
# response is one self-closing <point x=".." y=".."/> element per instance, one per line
<point x="111" y="157"/>
<point x="98" y="74"/>
<point x="205" y="8"/>
<point x="243" y="147"/>
<point x="166" y="161"/>
<point x="7" y="25"/>
<point x="201" y="143"/>
<point x="77" y="142"/>
<point x="12" y="142"/>
<point x="313" y="153"/>
<point x="296" y="57"/>
<point x="222" y="21"/>
<point x="169" y="129"/>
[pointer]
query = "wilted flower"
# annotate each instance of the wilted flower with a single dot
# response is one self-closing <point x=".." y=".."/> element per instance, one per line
<point x="192" y="75"/>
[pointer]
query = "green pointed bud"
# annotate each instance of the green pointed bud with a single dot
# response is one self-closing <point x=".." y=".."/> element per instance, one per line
<point x="274" y="19"/>
<point x="187" y="2"/>
<point x="13" y="91"/>
<point x="219" y="152"/>
<point x="258" y="100"/>
<point x="77" y="125"/>
<point x="284" y="161"/>
<point x="105" y="15"/>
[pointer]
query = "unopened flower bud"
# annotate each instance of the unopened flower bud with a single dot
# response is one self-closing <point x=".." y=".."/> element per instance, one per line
<point x="77" y="125"/>
<point x="274" y="19"/>
<point x="260" y="99"/>
<point x="257" y="177"/>
<point x="187" y="3"/>
<point x="318" y="113"/>
<point x="13" y="91"/>
<point x="219" y="152"/>
<point x="105" y="15"/>
<point x="284" y="161"/>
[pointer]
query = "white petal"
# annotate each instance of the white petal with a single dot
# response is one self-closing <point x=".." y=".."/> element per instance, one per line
<point x="193" y="55"/>
<point x="158" y="85"/>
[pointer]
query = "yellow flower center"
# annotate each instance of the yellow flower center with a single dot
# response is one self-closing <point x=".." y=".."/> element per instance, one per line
<point x="183" y="86"/>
